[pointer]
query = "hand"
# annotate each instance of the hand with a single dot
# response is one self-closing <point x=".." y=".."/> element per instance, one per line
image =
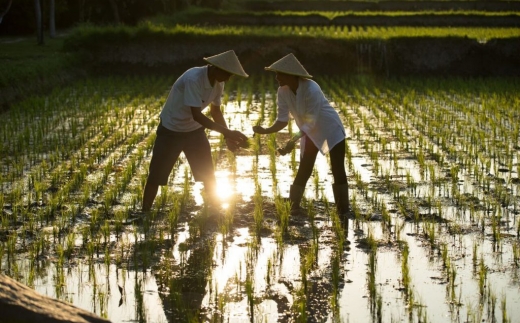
<point x="259" y="129"/>
<point x="235" y="140"/>
<point x="289" y="146"/>
<point x="232" y="145"/>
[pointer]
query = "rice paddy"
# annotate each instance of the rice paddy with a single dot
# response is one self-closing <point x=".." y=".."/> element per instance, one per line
<point x="156" y="28"/>
<point x="433" y="237"/>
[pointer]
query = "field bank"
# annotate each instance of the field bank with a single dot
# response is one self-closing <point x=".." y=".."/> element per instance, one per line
<point x="341" y="43"/>
<point x="148" y="52"/>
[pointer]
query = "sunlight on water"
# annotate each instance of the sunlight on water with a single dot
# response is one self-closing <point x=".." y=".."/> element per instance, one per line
<point x="273" y="270"/>
<point x="225" y="188"/>
<point x="114" y="291"/>
<point x="272" y="266"/>
<point x="182" y="236"/>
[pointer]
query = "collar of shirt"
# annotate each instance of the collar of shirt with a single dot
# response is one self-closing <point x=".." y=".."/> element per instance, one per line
<point x="207" y="84"/>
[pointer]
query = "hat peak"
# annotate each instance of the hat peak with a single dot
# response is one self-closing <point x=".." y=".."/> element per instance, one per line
<point x="289" y="64"/>
<point x="227" y="61"/>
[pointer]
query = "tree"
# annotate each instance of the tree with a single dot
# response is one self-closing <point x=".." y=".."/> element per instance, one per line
<point x="81" y="4"/>
<point x="169" y="6"/>
<point x="113" y="4"/>
<point x="6" y="10"/>
<point x="52" y="18"/>
<point x="39" y="21"/>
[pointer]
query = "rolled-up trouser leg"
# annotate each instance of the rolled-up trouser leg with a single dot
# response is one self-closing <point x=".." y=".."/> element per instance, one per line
<point x="201" y="163"/>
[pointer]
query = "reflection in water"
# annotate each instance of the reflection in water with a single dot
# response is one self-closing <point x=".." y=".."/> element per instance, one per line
<point x="235" y="275"/>
<point x="183" y="282"/>
<point x="113" y="292"/>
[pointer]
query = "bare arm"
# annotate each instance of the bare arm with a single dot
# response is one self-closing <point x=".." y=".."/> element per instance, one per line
<point x="216" y="114"/>
<point x="275" y="127"/>
<point x="234" y="139"/>
<point x="208" y="123"/>
<point x="218" y="117"/>
<point x="289" y="146"/>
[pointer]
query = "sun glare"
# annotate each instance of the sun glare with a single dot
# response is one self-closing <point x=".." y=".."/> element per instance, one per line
<point x="225" y="189"/>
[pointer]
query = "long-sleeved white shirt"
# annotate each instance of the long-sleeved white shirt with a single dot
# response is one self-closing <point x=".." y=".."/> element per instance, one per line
<point x="312" y="113"/>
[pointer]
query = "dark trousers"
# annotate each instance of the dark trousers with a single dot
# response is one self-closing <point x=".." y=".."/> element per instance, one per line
<point x="337" y="162"/>
<point x="169" y="145"/>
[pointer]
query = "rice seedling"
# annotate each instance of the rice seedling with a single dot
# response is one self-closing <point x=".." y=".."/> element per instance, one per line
<point x="186" y="189"/>
<point x="339" y="230"/>
<point x="430" y="233"/>
<point x="299" y="307"/>
<point x="258" y="214"/>
<point x="140" y="309"/>
<point x="2" y="253"/>
<point x="452" y="285"/>
<point x="482" y="278"/>
<point x="283" y="211"/>
<point x="269" y="272"/>
<point x="516" y="254"/>
<point x="371" y="273"/>
<point x="83" y="180"/>
<point x="173" y="216"/>
<point x="249" y="286"/>
<point x="405" y="269"/>
<point x="503" y="307"/>
<point x="336" y="261"/>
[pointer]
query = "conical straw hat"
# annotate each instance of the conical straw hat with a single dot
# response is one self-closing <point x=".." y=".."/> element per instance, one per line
<point x="227" y="61"/>
<point x="289" y="64"/>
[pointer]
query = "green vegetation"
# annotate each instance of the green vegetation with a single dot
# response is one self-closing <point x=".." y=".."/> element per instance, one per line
<point x="24" y="61"/>
<point x="432" y="163"/>
<point x="26" y="67"/>
<point x="195" y="14"/>
<point x="87" y="36"/>
<point x="65" y="181"/>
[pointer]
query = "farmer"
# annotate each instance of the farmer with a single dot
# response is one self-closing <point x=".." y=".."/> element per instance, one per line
<point x="320" y="129"/>
<point x="182" y="124"/>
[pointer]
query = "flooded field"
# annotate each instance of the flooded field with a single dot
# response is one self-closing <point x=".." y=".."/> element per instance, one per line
<point x="433" y="236"/>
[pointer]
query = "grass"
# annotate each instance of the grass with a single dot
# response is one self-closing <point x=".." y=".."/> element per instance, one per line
<point x="89" y="37"/>
<point x="26" y="67"/>
<point x="22" y="60"/>
<point x="192" y="14"/>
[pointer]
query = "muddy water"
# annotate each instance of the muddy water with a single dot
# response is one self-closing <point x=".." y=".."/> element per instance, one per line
<point x="237" y="275"/>
<point x="434" y="297"/>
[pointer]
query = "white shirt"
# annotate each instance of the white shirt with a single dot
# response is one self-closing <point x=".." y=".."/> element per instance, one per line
<point x="312" y="113"/>
<point x="191" y="89"/>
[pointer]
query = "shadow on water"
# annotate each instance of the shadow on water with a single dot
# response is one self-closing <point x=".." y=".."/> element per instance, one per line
<point x="187" y="289"/>
<point x="434" y="233"/>
<point x="227" y="272"/>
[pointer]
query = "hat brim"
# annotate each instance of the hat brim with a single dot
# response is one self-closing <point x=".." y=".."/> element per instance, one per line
<point x="307" y="76"/>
